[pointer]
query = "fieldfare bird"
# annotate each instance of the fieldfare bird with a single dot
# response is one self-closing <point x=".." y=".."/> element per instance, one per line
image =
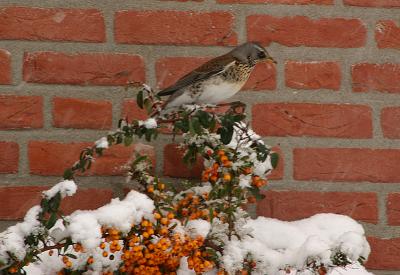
<point x="217" y="79"/>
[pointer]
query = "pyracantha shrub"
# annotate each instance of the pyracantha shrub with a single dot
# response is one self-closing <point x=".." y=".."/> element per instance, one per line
<point x="188" y="228"/>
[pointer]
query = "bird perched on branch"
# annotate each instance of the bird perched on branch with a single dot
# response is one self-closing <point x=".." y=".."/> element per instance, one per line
<point x="217" y="79"/>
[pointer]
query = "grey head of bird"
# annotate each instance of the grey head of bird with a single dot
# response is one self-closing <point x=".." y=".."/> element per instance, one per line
<point x="251" y="53"/>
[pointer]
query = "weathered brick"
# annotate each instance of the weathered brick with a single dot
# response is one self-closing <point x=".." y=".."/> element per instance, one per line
<point x="170" y="69"/>
<point x="83" y="68"/>
<point x="385" y="254"/>
<point x="82" y="113"/>
<point x="9" y="157"/>
<point x="289" y="2"/>
<point x="130" y="110"/>
<point x="376" y="77"/>
<point x="387" y="34"/>
<point x="346" y="164"/>
<point x="312" y="75"/>
<point x="294" y="205"/>
<point x="175" y="28"/>
<point x="21" y="112"/>
<point x="42" y="154"/>
<point x="373" y="3"/>
<point x="308" y="119"/>
<point x="393" y="208"/>
<point x="5" y="67"/>
<point x="15" y="201"/>
<point x="54" y="24"/>
<point x="174" y="166"/>
<point x="303" y="31"/>
<point x="390" y="122"/>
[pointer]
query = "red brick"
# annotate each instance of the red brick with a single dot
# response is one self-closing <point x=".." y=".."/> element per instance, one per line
<point x="83" y="68"/>
<point x="24" y="23"/>
<point x="307" y="119"/>
<point x="387" y="34"/>
<point x="174" y="166"/>
<point x="131" y="111"/>
<point x="175" y="28"/>
<point x="9" y="157"/>
<point x="385" y="254"/>
<point x="312" y="75"/>
<point x="49" y="158"/>
<point x="170" y="69"/>
<point x="393" y="209"/>
<point x="373" y="3"/>
<point x="82" y="113"/>
<point x="376" y="77"/>
<point x="294" y="205"/>
<point x="390" y="122"/>
<point x="262" y="78"/>
<point x="15" y="201"/>
<point x="347" y="164"/>
<point x="21" y="112"/>
<point x="303" y="31"/>
<point x="5" y="67"/>
<point x="289" y="2"/>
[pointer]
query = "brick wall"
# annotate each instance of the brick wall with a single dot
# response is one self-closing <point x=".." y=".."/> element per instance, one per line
<point x="331" y="106"/>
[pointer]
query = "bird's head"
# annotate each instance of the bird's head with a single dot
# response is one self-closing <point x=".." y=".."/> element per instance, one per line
<point x="251" y="53"/>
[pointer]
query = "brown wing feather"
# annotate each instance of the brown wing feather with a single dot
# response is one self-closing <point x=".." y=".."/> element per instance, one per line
<point x="208" y="69"/>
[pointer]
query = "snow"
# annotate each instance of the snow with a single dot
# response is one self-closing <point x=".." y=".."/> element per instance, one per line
<point x="276" y="244"/>
<point x="12" y="240"/>
<point x="150" y="123"/>
<point x="66" y="188"/>
<point x="84" y="226"/>
<point x="197" y="228"/>
<point x="102" y="143"/>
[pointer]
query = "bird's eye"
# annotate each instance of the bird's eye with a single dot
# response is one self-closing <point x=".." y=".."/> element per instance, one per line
<point x="261" y="55"/>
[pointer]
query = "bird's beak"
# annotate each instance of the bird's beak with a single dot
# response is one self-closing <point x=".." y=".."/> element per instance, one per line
<point x="271" y="60"/>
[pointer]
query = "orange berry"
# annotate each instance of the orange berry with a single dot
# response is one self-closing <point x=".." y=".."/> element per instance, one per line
<point x="68" y="264"/>
<point x="105" y="254"/>
<point x="224" y="158"/>
<point x="164" y="231"/>
<point x="220" y="153"/>
<point x="215" y="166"/>
<point x="164" y="221"/>
<point x="90" y="260"/>
<point x="227" y="177"/>
<point x="157" y="216"/>
<point x="114" y="232"/>
<point x="103" y="245"/>
<point x="13" y="269"/>
<point x="145" y="235"/>
<point x="150" y="189"/>
<point x="170" y="216"/>
<point x="145" y="223"/>
<point x="213" y="178"/>
<point x="161" y="186"/>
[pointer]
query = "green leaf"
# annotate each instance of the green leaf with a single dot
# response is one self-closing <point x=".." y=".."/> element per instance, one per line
<point x="194" y="126"/>
<point x="148" y="105"/>
<point x="139" y="99"/>
<point x="226" y="134"/>
<point x="274" y="160"/>
<point x="128" y="140"/>
<point x="52" y="220"/>
<point x="68" y="174"/>
<point x="71" y="256"/>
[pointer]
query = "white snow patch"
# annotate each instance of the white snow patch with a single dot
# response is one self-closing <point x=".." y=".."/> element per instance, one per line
<point x="197" y="228"/>
<point x="66" y="188"/>
<point x="150" y="123"/>
<point x="102" y="143"/>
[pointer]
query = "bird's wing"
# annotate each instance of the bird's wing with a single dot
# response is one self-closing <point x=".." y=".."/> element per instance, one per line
<point x="208" y="69"/>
